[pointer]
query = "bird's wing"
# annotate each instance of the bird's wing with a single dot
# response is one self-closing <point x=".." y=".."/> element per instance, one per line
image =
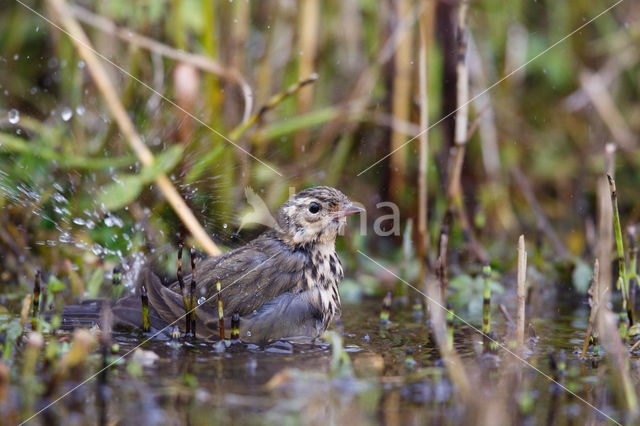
<point x="250" y="276"/>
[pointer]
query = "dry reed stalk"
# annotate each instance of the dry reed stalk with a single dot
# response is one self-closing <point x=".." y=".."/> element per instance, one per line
<point x="605" y="220"/>
<point x="604" y="104"/>
<point x="104" y="84"/>
<point x="204" y="63"/>
<point x="308" y="22"/>
<point x="618" y="356"/>
<point x="452" y="361"/>
<point x="543" y="222"/>
<point x="358" y="98"/>
<point x="522" y="276"/>
<point x="238" y="59"/>
<point x="400" y="103"/>
<point x="608" y="73"/>
<point x="594" y="304"/>
<point x="426" y="34"/>
<point x="461" y="135"/>
<point x="499" y="203"/>
<point x="606" y="320"/>
<point x="462" y="111"/>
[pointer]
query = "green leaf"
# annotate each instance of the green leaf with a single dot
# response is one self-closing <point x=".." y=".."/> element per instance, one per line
<point x="127" y="188"/>
<point x="95" y="282"/>
<point x="55" y="285"/>
<point x="118" y="194"/>
<point x="581" y="276"/>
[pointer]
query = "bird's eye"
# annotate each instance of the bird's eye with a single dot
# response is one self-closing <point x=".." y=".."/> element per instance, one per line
<point x="314" y="207"/>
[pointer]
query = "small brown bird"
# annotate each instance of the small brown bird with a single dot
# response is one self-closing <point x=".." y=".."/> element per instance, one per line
<point x="283" y="284"/>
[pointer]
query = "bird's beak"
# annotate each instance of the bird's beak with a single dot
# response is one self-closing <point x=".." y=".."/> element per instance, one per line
<point x="349" y="210"/>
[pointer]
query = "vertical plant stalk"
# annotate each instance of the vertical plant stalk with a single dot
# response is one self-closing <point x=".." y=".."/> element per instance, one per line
<point x="192" y="305"/>
<point x="486" y="307"/>
<point x="632" y="273"/>
<point x="220" y="311"/>
<point x="606" y="324"/>
<point x="116" y="283"/>
<point x="400" y="102"/>
<point x="441" y="263"/>
<point x="454" y="365"/>
<point x="145" y="308"/>
<point x="622" y="270"/>
<point x="385" y="312"/>
<point x="183" y="292"/>
<point x="105" y="86"/>
<point x="594" y="304"/>
<point x="205" y="63"/>
<point x="35" y="342"/>
<point x="522" y="277"/>
<point x="450" y="316"/>
<point x="400" y="291"/>
<point x="426" y="29"/>
<point x="235" y="328"/>
<point x="36" y="302"/>
<point x="106" y="319"/>
<point x="454" y="189"/>
<point x="309" y="18"/>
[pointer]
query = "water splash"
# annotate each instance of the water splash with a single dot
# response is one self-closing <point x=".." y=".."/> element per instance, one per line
<point x="14" y="116"/>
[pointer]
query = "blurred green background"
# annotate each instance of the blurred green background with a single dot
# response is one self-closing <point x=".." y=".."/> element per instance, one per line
<point x="542" y="131"/>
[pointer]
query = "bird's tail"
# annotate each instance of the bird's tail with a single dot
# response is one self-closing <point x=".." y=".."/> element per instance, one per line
<point x="127" y="311"/>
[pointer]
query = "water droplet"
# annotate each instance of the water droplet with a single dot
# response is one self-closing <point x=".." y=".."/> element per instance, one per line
<point x="16" y="57"/>
<point x="66" y="114"/>
<point x="78" y="221"/>
<point x="59" y="198"/>
<point x="14" y="116"/>
<point x="97" y="249"/>
<point x="201" y="300"/>
<point x="113" y="220"/>
<point x="81" y="64"/>
<point x="80" y="110"/>
<point x="224" y="225"/>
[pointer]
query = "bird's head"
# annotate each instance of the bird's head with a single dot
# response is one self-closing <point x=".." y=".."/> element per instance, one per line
<point x="315" y="215"/>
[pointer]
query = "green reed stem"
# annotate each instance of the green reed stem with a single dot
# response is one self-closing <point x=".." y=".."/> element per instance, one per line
<point x="145" y="309"/>
<point x="272" y="103"/>
<point x="36" y="302"/>
<point x="622" y="279"/>
<point x="235" y="328"/>
<point x="385" y="312"/>
<point x="220" y="311"/>
<point x="116" y="283"/>
<point x="486" y="306"/>
<point x="450" y="316"/>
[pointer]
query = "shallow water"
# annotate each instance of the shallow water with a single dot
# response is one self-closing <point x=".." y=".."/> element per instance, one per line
<point x="285" y="383"/>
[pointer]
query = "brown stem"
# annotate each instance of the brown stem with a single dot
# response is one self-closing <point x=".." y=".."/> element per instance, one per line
<point x="104" y="84"/>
